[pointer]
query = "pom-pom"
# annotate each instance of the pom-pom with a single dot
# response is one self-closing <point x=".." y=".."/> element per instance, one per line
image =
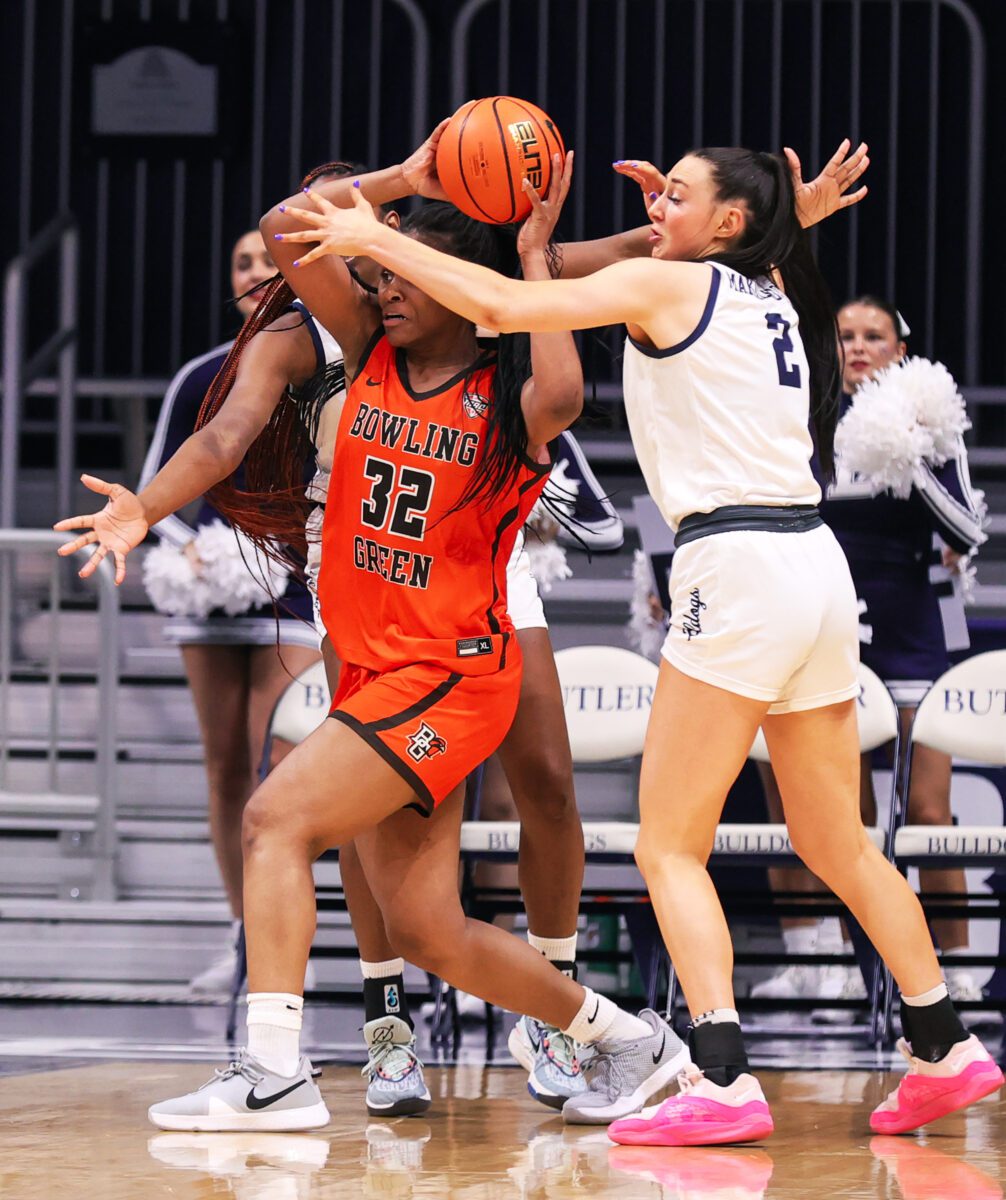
<point x="548" y="563"/>
<point x="646" y="634"/>
<point x="879" y="437"/>
<point x="938" y="404"/>
<point x="239" y="578"/>
<point x="172" y="584"/>
<point x="908" y="413"/>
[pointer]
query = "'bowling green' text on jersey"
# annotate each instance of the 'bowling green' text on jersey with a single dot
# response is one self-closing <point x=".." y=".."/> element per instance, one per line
<point x="405" y="579"/>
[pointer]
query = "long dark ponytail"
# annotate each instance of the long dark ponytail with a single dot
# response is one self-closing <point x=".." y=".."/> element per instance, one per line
<point x="493" y="246"/>
<point x="773" y="240"/>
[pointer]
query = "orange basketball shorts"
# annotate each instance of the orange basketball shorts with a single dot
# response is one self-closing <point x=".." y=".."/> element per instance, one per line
<point x="434" y="727"/>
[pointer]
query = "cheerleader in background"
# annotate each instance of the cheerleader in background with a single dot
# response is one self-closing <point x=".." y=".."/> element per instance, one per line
<point x="218" y="594"/>
<point x="904" y="512"/>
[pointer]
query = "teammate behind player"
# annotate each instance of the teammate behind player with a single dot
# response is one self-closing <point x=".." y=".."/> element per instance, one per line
<point x="731" y="348"/>
<point x="439" y="460"/>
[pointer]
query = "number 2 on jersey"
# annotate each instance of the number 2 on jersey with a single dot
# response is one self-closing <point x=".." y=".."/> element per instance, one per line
<point x="415" y="490"/>
<point x="789" y="373"/>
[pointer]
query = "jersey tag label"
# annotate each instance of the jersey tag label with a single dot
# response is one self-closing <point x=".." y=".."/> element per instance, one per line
<point x="466" y="647"/>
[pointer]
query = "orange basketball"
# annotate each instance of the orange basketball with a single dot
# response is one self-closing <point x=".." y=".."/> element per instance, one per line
<point x="488" y="148"/>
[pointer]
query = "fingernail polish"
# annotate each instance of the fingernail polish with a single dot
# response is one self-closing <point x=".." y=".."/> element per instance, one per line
<point x="277" y="237"/>
<point x="282" y="208"/>
<point x="307" y="189"/>
<point x="296" y="262"/>
<point x="653" y="195"/>
<point x="356" y="183"/>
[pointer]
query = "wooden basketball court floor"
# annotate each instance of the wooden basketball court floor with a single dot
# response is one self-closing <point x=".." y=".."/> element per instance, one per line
<point x="73" y="1124"/>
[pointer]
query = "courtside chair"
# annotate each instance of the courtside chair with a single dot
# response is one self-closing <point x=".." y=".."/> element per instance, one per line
<point x="877" y="718"/>
<point x="298" y="712"/>
<point x="964" y="715"/>
<point x="607" y="695"/>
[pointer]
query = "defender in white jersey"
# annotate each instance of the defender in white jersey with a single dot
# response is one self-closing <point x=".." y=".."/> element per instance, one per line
<point x="732" y="351"/>
<point x="773" y="619"/>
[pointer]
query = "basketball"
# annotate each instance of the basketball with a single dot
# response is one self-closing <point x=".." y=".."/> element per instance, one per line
<point x="488" y="148"/>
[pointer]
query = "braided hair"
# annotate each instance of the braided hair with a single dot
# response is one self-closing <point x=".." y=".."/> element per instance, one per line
<point x="269" y="505"/>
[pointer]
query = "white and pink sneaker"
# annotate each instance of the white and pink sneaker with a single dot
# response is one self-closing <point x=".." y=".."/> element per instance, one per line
<point x="933" y="1090"/>
<point x="702" y="1114"/>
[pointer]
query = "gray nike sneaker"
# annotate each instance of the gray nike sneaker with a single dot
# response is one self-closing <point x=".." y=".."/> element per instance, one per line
<point x="550" y="1059"/>
<point x="395" y="1087"/>
<point x="246" y="1096"/>
<point x="622" y="1075"/>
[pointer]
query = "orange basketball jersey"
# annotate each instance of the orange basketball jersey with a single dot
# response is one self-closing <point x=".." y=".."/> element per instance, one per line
<point x="403" y="578"/>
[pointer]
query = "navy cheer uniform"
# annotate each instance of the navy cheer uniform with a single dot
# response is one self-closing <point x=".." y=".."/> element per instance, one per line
<point x="911" y="613"/>
<point x="257" y="626"/>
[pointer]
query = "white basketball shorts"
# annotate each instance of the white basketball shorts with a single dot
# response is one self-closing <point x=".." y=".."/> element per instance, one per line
<point x="523" y="602"/>
<point x="771" y="616"/>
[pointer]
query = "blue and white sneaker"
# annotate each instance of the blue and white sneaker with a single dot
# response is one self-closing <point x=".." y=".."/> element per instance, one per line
<point x="550" y="1058"/>
<point x="395" y="1086"/>
<point x="246" y="1096"/>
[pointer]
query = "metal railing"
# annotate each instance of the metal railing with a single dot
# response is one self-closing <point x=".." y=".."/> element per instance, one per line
<point x="14" y="607"/>
<point x="19" y="370"/>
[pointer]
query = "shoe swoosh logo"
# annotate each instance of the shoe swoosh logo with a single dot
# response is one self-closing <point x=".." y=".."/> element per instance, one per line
<point x="597" y="1006"/>
<point x="535" y="1042"/>
<point x="657" y="1056"/>
<point x="255" y="1102"/>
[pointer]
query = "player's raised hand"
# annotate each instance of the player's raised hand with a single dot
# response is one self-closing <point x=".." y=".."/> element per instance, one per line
<point x="341" y="231"/>
<point x="538" y="227"/>
<point x="651" y="181"/>
<point x="118" y="528"/>
<point x="420" y="169"/>
<point x="827" y="193"/>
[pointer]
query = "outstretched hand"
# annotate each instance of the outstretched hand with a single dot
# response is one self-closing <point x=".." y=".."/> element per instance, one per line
<point x="341" y="231"/>
<point x="651" y="181"/>
<point x="420" y="169"/>
<point x="537" y="229"/>
<point x="118" y="528"/>
<point x="827" y="193"/>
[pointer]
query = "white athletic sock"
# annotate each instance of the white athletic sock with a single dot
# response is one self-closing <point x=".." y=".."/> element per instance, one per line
<point x="926" y="998"/>
<point x="954" y="951"/>
<point x="801" y="939"/>
<point x="274" y="1021"/>
<point x="599" y="1018"/>
<point x="717" y="1016"/>
<point x="556" y="950"/>
<point x="382" y="970"/>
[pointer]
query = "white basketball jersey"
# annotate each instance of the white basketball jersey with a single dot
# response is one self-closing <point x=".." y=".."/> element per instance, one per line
<point x="722" y="417"/>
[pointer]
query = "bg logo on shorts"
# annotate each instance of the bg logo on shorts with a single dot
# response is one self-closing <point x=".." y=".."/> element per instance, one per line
<point x="425" y="743"/>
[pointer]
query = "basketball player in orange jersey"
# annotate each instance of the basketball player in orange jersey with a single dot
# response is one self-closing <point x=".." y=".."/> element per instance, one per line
<point x="731" y="354"/>
<point x="438" y="461"/>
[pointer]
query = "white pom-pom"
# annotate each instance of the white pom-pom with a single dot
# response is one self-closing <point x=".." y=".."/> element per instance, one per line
<point x="548" y="563"/>
<point x="238" y="576"/>
<point x="967" y="574"/>
<point x="645" y="634"/>
<point x="172" y="585"/>
<point x="879" y="437"/>
<point x="939" y="405"/>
